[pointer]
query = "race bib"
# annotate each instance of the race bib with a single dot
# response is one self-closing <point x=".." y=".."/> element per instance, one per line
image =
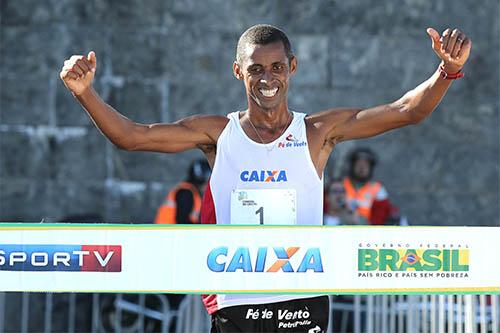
<point x="264" y="206"/>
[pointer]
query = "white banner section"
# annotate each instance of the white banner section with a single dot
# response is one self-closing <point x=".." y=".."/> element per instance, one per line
<point x="248" y="259"/>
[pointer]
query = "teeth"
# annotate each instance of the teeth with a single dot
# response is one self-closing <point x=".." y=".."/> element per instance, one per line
<point x="269" y="93"/>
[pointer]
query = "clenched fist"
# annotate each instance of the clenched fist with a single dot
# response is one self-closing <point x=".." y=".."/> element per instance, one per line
<point x="78" y="72"/>
<point x="452" y="47"/>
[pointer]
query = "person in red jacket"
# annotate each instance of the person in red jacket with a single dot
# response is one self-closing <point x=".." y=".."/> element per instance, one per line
<point x="182" y="205"/>
<point x="367" y="196"/>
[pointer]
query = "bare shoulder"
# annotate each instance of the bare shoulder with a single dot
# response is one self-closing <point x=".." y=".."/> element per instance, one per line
<point x="212" y="125"/>
<point x="320" y="128"/>
<point x="199" y="131"/>
<point x="328" y="119"/>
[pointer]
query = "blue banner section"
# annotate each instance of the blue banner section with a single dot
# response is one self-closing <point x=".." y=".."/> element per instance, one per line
<point x="41" y="257"/>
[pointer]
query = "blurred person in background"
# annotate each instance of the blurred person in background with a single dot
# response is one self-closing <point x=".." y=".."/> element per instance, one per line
<point x="182" y="205"/>
<point x="367" y="196"/>
<point x="338" y="212"/>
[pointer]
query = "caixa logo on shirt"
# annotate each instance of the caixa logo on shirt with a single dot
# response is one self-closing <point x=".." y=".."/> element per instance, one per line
<point x="50" y="257"/>
<point x="263" y="259"/>
<point x="263" y="176"/>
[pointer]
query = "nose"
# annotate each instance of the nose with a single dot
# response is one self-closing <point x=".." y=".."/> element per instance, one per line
<point x="266" y="77"/>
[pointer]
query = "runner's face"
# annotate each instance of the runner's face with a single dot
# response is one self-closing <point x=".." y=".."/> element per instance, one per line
<point x="266" y="71"/>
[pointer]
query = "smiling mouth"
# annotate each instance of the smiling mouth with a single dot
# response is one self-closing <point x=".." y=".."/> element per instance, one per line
<point x="269" y="92"/>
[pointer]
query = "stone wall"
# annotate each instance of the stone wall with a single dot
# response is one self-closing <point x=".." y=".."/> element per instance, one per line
<point x="159" y="61"/>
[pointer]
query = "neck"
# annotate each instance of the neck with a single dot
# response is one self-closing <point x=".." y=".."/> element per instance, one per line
<point x="270" y="119"/>
<point x="265" y="127"/>
<point x="269" y="122"/>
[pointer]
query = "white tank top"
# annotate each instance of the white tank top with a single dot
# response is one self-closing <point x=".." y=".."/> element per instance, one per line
<point x="284" y="164"/>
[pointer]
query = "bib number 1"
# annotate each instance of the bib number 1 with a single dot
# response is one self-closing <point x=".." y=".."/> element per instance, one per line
<point x="279" y="205"/>
<point x="260" y="211"/>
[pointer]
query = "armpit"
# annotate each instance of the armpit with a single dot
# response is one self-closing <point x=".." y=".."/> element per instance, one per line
<point x="332" y="141"/>
<point x="207" y="148"/>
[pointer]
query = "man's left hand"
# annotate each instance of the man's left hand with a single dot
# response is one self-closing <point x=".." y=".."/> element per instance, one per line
<point x="452" y="47"/>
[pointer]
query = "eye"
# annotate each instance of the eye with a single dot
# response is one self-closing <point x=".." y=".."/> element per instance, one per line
<point x="255" y="70"/>
<point x="279" y="67"/>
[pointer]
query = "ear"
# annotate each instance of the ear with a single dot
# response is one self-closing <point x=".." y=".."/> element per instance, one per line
<point x="293" y="65"/>
<point x="237" y="71"/>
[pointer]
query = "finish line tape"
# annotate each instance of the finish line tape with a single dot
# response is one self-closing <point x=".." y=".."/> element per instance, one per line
<point x="202" y="259"/>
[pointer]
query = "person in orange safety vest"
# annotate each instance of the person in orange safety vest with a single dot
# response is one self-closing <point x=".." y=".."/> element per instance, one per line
<point x="369" y="198"/>
<point x="182" y="205"/>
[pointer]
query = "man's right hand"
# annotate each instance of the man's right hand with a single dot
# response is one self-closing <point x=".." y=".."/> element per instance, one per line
<point x="78" y="72"/>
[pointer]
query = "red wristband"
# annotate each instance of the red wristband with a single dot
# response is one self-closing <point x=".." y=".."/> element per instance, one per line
<point x="448" y="76"/>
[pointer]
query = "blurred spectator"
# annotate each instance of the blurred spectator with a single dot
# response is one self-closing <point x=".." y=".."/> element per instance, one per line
<point x="368" y="197"/>
<point x="339" y="212"/>
<point x="183" y="203"/>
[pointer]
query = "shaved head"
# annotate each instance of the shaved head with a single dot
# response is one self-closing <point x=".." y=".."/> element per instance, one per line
<point x="262" y="34"/>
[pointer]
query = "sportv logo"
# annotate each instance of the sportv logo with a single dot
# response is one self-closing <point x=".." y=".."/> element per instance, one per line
<point x="246" y="260"/>
<point x="73" y="258"/>
<point x="447" y="260"/>
<point x="263" y="176"/>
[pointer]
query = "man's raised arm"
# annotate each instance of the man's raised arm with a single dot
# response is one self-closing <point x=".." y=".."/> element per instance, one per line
<point x="453" y="48"/>
<point x="192" y="132"/>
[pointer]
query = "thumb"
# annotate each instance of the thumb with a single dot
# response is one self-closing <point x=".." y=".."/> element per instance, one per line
<point x="92" y="59"/>
<point x="436" y="43"/>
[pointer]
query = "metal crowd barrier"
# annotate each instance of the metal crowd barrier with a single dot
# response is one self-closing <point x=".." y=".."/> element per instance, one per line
<point x="46" y="312"/>
<point x="416" y="314"/>
<point x="63" y="312"/>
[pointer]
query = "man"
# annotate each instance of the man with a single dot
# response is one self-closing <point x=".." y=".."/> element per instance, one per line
<point x="267" y="147"/>
<point x="368" y="197"/>
<point x="182" y="204"/>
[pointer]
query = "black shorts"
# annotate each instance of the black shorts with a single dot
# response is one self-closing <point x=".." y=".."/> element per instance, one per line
<point x="299" y="315"/>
